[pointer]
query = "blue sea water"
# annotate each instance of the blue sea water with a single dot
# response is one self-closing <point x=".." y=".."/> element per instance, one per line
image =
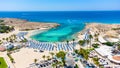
<point x="70" y="22"/>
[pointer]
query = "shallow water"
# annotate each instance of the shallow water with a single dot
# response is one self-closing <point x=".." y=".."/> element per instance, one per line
<point x="61" y="33"/>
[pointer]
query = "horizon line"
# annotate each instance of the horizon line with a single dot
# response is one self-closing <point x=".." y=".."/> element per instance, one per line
<point x="55" y="10"/>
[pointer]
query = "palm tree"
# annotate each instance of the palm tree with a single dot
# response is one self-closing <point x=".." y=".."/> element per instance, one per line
<point x="3" y="38"/>
<point x="35" y="60"/>
<point x="14" y="36"/>
<point x="61" y="54"/>
<point x="43" y="57"/>
<point x="52" y="54"/>
<point x="54" y="65"/>
<point x="11" y="40"/>
<point x="73" y="44"/>
<point x="48" y="57"/>
<point x="73" y="41"/>
<point x="87" y="41"/>
<point x="90" y="36"/>
<point x="60" y="63"/>
<point x="81" y="42"/>
<point x="6" y="39"/>
<point x="67" y="42"/>
<point x="0" y="41"/>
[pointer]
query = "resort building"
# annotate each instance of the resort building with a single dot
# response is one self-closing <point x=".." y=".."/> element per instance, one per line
<point x="70" y="62"/>
<point x="104" y="50"/>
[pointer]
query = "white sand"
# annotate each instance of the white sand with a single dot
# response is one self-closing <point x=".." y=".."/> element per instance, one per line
<point x="34" y="32"/>
<point x="26" y="56"/>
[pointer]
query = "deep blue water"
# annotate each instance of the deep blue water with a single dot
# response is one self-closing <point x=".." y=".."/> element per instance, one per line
<point x="71" y="21"/>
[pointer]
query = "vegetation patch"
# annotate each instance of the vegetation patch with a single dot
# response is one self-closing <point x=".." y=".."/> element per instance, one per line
<point x="3" y="63"/>
<point x="119" y="47"/>
<point x="95" y="60"/>
<point x="1" y="21"/>
<point x="81" y="42"/>
<point x="84" y="53"/>
<point x="95" y="45"/>
<point x="115" y="28"/>
<point x="89" y="49"/>
<point x="61" y="55"/>
<point x="109" y="43"/>
<point x="5" y="29"/>
<point x="76" y="66"/>
<point x="11" y="59"/>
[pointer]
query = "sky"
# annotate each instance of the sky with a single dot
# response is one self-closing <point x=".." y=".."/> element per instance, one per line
<point x="59" y="5"/>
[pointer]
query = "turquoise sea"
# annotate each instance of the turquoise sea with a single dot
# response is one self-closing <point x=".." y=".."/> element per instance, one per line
<point x="70" y="22"/>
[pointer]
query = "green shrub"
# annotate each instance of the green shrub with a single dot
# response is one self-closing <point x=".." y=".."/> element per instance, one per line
<point x="1" y="21"/>
<point x="89" y="49"/>
<point x="84" y="53"/>
<point x="109" y="43"/>
<point x="95" y="45"/>
<point x="76" y="51"/>
<point x="3" y="63"/>
<point x="11" y="59"/>
<point x="76" y="66"/>
<point x="5" y="29"/>
<point x="95" y="60"/>
<point x="119" y="47"/>
<point x="115" y="28"/>
<point x="81" y="42"/>
<point x="61" y="55"/>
